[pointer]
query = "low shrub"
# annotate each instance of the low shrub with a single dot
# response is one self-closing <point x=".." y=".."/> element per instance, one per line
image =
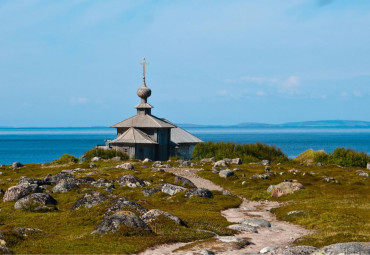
<point x="246" y="152"/>
<point x="65" y="159"/>
<point x="104" y="154"/>
<point x="348" y="157"/>
<point x="311" y="156"/>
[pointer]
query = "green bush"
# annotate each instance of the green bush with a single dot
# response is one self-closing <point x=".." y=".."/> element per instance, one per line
<point x="65" y="159"/>
<point x="104" y="154"/>
<point x="246" y="152"/>
<point x="311" y="156"/>
<point x="348" y="157"/>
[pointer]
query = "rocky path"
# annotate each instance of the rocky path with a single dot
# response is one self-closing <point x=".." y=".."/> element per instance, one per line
<point x="280" y="234"/>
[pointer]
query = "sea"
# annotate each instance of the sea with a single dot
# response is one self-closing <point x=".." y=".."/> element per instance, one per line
<point x="40" y="145"/>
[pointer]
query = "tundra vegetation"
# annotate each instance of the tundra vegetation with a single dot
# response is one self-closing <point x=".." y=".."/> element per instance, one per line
<point x="334" y="203"/>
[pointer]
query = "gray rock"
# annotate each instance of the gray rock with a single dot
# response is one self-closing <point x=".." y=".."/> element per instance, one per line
<point x="208" y="160"/>
<point x="112" y="223"/>
<point x="102" y="183"/>
<point x="63" y="175"/>
<point x="226" y="173"/>
<point x="184" y="181"/>
<point x="127" y="166"/>
<point x="36" y="202"/>
<point x="265" y="162"/>
<point x="268" y="249"/>
<point x="256" y="222"/>
<point x="199" y="192"/>
<point x="171" y="189"/>
<point x="260" y="176"/>
<point x="201" y="252"/>
<point x="294" y="171"/>
<point x="89" y="200"/>
<point x="296" y="250"/>
<point x="65" y="186"/>
<point x="16" y="192"/>
<point x="295" y="212"/>
<point x="184" y="163"/>
<point x="230" y="239"/>
<point x="243" y="228"/>
<point x="95" y="159"/>
<point x="153" y="214"/>
<point x="220" y="163"/>
<point x="26" y="231"/>
<point x="368" y="166"/>
<point x="4" y="250"/>
<point x="345" y="248"/>
<point x="84" y="180"/>
<point x="124" y="204"/>
<point x="215" y="171"/>
<point x="130" y="181"/>
<point x="16" y="164"/>
<point x="270" y="188"/>
<point x="146" y="160"/>
<point x="267" y="169"/>
<point x="150" y="191"/>
<point x="92" y="165"/>
<point x="236" y="161"/>
<point x="116" y="158"/>
<point x="362" y="173"/>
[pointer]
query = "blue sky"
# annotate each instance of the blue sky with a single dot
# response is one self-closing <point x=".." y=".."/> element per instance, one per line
<point x="76" y="63"/>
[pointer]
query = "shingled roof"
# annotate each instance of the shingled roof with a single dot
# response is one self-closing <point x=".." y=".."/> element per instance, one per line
<point x="144" y="121"/>
<point x="133" y="135"/>
<point x="179" y="135"/>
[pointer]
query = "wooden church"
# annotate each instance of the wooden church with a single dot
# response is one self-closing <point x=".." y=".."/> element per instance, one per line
<point x="147" y="136"/>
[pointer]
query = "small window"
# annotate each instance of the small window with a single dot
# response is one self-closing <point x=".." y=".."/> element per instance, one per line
<point x="126" y="150"/>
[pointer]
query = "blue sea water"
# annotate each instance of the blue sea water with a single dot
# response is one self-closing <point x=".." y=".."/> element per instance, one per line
<point x="39" y="145"/>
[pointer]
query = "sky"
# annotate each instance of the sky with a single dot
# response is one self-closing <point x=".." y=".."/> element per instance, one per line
<point x="76" y="63"/>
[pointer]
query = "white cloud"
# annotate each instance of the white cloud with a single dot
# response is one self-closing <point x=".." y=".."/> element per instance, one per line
<point x="290" y="85"/>
<point x="222" y="92"/>
<point x="260" y="93"/>
<point x="79" y="100"/>
<point x="357" y="93"/>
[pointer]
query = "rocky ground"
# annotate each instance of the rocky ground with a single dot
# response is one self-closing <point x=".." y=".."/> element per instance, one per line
<point x="183" y="207"/>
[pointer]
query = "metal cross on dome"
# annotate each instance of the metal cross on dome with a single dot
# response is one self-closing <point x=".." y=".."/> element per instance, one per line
<point x="144" y="63"/>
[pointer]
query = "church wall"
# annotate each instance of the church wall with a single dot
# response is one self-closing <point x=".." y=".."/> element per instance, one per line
<point x="143" y="151"/>
<point x="163" y="144"/>
<point x="125" y="148"/>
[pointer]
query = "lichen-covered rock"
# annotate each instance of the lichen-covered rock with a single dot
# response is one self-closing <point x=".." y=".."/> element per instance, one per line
<point x="226" y="173"/>
<point x="124" y="204"/>
<point x="171" y="189"/>
<point x="184" y="181"/>
<point x="127" y="166"/>
<point x="102" y="183"/>
<point x="130" y="181"/>
<point x="36" y="202"/>
<point x="345" y="248"/>
<point x="267" y="249"/>
<point x="199" y="192"/>
<point x="368" y="166"/>
<point x="89" y="200"/>
<point x="153" y="214"/>
<point x="285" y="188"/>
<point x="362" y="173"/>
<point x="16" y="164"/>
<point x="150" y="191"/>
<point x="26" y="231"/>
<point x="16" y="192"/>
<point x="63" y="175"/>
<point x="243" y="228"/>
<point x="235" y="161"/>
<point x="84" y="180"/>
<point x="112" y="223"/>
<point x="95" y="159"/>
<point x="260" y="176"/>
<point x="220" y="163"/>
<point x="256" y="222"/>
<point x="25" y="179"/>
<point x="208" y="160"/>
<point x="65" y="186"/>
<point x="146" y="160"/>
<point x="265" y="162"/>
<point x="296" y="250"/>
<point x="201" y="252"/>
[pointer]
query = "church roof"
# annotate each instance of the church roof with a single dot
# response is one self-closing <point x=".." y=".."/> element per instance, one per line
<point x="133" y="135"/>
<point x="179" y="135"/>
<point x="144" y="121"/>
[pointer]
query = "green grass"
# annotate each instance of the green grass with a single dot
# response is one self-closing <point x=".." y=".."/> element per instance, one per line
<point x="65" y="232"/>
<point x="338" y="212"/>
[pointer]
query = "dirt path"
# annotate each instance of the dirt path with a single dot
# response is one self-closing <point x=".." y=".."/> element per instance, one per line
<point x="280" y="234"/>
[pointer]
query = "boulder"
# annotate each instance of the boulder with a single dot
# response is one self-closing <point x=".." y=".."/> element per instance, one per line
<point x="16" y="192"/>
<point x="26" y="231"/>
<point x="243" y="228"/>
<point x="36" y="202"/>
<point x="267" y="249"/>
<point x="199" y="192"/>
<point x="230" y="239"/>
<point x="267" y="169"/>
<point x="226" y="173"/>
<point x="265" y="162"/>
<point x="362" y="173"/>
<point x="102" y="183"/>
<point x="153" y="214"/>
<point x="345" y="248"/>
<point x="112" y="223"/>
<point x="89" y="200"/>
<point x="92" y="165"/>
<point x="294" y="171"/>
<point x="201" y="252"/>
<point x="256" y="222"/>
<point x="127" y="166"/>
<point x="260" y="176"/>
<point x="16" y="164"/>
<point x="150" y="191"/>
<point x="368" y="166"/>
<point x="95" y="159"/>
<point x="117" y="158"/>
<point x="184" y="181"/>
<point x="130" y="181"/>
<point x="220" y="163"/>
<point x="65" y="186"/>
<point x="208" y="160"/>
<point x="63" y="175"/>
<point x="84" y="180"/>
<point x="236" y="161"/>
<point x="25" y="180"/>
<point x="296" y="250"/>
<point x="171" y="189"/>
<point x="146" y="160"/>
<point x="285" y="188"/>
<point x="296" y="212"/>
<point x="123" y="204"/>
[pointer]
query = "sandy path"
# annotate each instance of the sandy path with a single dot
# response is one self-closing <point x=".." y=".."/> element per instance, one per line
<point x="280" y="234"/>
